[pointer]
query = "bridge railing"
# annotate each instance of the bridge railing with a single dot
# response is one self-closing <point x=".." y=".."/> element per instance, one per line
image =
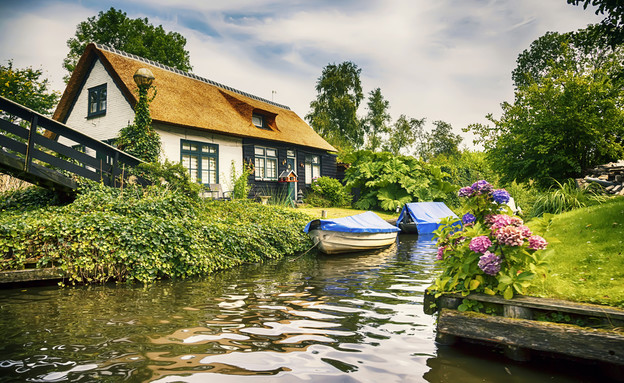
<point x="46" y="152"/>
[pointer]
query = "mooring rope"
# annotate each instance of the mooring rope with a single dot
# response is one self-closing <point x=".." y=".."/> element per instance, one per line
<point x="307" y="251"/>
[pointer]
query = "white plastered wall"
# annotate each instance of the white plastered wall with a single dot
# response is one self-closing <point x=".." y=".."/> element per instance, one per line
<point x="118" y="111"/>
<point x="230" y="149"/>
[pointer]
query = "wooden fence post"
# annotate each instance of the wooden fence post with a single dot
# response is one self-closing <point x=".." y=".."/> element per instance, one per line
<point x="516" y="353"/>
<point x="30" y="145"/>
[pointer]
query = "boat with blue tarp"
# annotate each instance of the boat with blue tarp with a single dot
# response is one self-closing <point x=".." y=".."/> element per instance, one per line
<point x="358" y="232"/>
<point x="423" y="217"/>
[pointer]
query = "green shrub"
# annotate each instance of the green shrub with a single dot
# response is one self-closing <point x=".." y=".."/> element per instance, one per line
<point x="171" y="175"/>
<point x="147" y="233"/>
<point x="30" y="198"/>
<point x="328" y="192"/>
<point x="240" y="182"/>
<point x="566" y="197"/>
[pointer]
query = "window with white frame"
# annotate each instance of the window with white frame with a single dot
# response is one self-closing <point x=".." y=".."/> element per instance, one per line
<point x="97" y="101"/>
<point x="265" y="163"/>
<point x="312" y="168"/>
<point x="201" y="160"/>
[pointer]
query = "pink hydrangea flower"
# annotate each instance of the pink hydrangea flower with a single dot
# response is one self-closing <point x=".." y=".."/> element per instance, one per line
<point x="480" y="244"/>
<point x="510" y="236"/>
<point x="537" y="243"/>
<point x="440" y="255"/>
<point x="517" y="221"/>
<point x="526" y="232"/>
<point x="499" y="221"/>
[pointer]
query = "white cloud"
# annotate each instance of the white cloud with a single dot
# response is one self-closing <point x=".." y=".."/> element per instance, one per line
<point x="443" y="60"/>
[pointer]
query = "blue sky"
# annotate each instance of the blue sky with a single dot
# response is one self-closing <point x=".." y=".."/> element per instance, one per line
<point x="447" y="60"/>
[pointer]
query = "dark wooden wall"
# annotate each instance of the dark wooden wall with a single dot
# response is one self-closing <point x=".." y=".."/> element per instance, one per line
<point x="328" y="162"/>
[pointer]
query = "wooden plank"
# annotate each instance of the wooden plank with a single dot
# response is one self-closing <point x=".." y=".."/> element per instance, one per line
<point x="13" y="129"/>
<point x="549" y="304"/>
<point x="66" y="165"/>
<point x="11" y="144"/>
<point x="16" y="276"/>
<point x="594" y="344"/>
<point x="70" y="152"/>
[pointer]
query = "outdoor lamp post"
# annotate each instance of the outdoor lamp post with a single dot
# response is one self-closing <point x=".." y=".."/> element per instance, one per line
<point x="143" y="77"/>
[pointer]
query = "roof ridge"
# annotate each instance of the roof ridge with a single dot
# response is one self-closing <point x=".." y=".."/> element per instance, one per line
<point x="187" y="74"/>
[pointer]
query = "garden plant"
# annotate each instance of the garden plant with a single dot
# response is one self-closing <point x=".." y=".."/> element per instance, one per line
<point x="493" y="253"/>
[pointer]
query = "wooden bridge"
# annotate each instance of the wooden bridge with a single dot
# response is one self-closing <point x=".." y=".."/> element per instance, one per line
<point x="47" y="153"/>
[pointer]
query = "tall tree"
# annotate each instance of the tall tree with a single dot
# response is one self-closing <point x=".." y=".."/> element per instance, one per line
<point x="137" y="36"/>
<point x="333" y="113"/>
<point x="26" y="87"/>
<point x="442" y="140"/>
<point x="377" y="119"/>
<point x="581" y="52"/>
<point x="612" y="26"/>
<point x="557" y="128"/>
<point x="404" y="134"/>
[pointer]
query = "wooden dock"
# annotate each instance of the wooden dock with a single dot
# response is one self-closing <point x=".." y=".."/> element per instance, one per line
<point x="524" y="325"/>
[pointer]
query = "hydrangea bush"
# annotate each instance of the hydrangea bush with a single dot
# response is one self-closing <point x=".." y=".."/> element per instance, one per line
<point x="493" y="253"/>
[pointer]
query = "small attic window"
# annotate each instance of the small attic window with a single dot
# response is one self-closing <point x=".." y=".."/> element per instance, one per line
<point x="259" y="121"/>
<point x="97" y="101"/>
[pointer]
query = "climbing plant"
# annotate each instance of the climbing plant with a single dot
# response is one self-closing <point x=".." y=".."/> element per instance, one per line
<point x="140" y="139"/>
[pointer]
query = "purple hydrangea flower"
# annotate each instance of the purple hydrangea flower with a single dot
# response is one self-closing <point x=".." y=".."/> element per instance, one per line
<point x="469" y="219"/>
<point x="465" y="192"/>
<point x="482" y="187"/>
<point x="490" y="263"/>
<point x="480" y="244"/>
<point x="537" y="243"/>
<point x="440" y="255"/>
<point x="500" y="196"/>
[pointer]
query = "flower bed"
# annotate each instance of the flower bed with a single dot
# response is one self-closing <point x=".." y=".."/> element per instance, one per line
<point x="493" y="253"/>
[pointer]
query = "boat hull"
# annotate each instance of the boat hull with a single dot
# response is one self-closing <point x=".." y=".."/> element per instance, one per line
<point x="335" y="242"/>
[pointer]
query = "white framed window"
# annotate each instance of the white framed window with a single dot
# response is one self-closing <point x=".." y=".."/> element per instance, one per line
<point x="201" y="160"/>
<point x="97" y="101"/>
<point x="258" y="120"/>
<point x="265" y="160"/>
<point x="312" y="168"/>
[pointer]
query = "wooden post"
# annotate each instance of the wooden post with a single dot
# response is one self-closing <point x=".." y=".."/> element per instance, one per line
<point x="516" y="353"/>
<point x="323" y="213"/>
<point x="31" y="143"/>
<point x="446" y="302"/>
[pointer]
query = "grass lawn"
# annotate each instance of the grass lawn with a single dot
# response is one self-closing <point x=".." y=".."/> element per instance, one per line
<point x="585" y="256"/>
<point x="334" y="212"/>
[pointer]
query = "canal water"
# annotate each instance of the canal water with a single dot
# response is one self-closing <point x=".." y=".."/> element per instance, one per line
<point x="346" y="318"/>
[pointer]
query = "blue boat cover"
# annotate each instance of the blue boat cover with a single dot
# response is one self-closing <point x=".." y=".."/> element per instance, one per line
<point x="367" y="222"/>
<point x="426" y="215"/>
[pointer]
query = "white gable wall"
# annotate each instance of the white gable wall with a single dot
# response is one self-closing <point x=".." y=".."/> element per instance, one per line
<point x="230" y="149"/>
<point x="118" y="111"/>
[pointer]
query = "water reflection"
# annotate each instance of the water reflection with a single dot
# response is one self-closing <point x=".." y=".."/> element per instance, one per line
<point x="317" y="318"/>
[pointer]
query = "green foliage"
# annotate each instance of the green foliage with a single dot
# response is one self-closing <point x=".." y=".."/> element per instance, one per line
<point x="27" y="199"/>
<point x="465" y="169"/>
<point x="493" y="254"/>
<point x="140" y="139"/>
<point x="612" y="26"/>
<point x="170" y="175"/>
<point x="525" y="195"/>
<point x="147" y="233"/>
<point x="566" y="116"/>
<point x="137" y="36"/>
<point x="333" y="113"/>
<point x="404" y="133"/>
<point x="328" y="192"/>
<point x="557" y="129"/>
<point x="388" y="182"/>
<point x="441" y="142"/>
<point x="376" y="122"/>
<point x="566" y="197"/>
<point x="26" y="87"/>
<point x="240" y="182"/>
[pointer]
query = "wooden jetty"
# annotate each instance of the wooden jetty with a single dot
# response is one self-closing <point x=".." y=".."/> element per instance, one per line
<point x="523" y="325"/>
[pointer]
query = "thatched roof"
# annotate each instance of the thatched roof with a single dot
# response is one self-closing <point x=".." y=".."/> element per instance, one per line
<point x="190" y="101"/>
